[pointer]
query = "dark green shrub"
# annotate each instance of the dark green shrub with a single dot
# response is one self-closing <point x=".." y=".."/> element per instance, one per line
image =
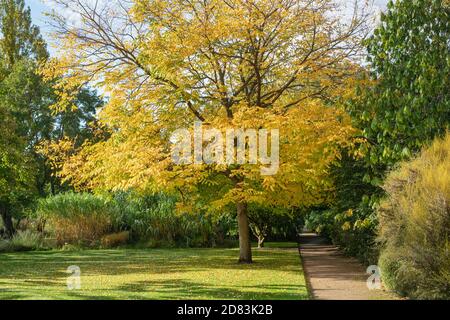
<point x="321" y="222"/>
<point x="415" y="225"/>
<point x="350" y="221"/>
<point x="353" y="230"/>
<point x="275" y="224"/>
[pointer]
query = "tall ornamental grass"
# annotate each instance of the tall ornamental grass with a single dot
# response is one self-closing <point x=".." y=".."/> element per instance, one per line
<point x="78" y="218"/>
<point x="415" y="225"/>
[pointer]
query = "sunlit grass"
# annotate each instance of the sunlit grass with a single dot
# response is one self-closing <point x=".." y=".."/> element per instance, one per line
<point x="154" y="274"/>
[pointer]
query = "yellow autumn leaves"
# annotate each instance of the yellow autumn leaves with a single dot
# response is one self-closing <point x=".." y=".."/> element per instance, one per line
<point x="280" y="64"/>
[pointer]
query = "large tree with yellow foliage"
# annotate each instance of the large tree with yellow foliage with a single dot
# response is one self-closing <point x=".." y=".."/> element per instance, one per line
<point x="164" y="64"/>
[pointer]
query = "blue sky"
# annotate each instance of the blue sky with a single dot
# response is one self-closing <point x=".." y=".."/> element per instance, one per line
<point x="37" y="7"/>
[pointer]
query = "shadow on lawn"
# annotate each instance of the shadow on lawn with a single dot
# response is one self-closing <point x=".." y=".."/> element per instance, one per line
<point x="112" y="262"/>
<point x="171" y="289"/>
<point x="182" y="289"/>
<point x="41" y="275"/>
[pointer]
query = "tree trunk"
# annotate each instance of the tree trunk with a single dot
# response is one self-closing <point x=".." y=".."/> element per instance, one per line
<point x="245" y="248"/>
<point x="261" y="242"/>
<point x="7" y="221"/>
<point x="52" y="186"/>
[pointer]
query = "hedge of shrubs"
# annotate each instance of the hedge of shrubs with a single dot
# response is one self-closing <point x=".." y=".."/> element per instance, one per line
<point x="414" y="225"/>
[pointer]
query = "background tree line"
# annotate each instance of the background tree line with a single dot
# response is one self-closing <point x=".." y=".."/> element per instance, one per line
<point x="26" y="117"/>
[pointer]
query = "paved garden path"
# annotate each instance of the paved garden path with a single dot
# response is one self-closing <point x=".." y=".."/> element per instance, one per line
<point x="332" y="276"/>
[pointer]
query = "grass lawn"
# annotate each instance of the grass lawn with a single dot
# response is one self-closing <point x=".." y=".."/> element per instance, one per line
<point x="154" y="274"/>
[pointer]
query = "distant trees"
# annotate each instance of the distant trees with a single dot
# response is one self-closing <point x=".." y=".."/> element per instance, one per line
<point x="274" y="223"/>
<point x="16" y="179"/>
<point x="26" y="117"/>
<point x="20" y="39"/>
<point x="24" y="112"/>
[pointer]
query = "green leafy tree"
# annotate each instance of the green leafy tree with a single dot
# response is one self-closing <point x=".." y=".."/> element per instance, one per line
<point x="20" y="38"/>
<point x="16" y="180"/>
<point x="27" y="120"/>
<point x="24" y="111"/>
<point x="408" y="103"/>
<point x="77" y="124"/>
